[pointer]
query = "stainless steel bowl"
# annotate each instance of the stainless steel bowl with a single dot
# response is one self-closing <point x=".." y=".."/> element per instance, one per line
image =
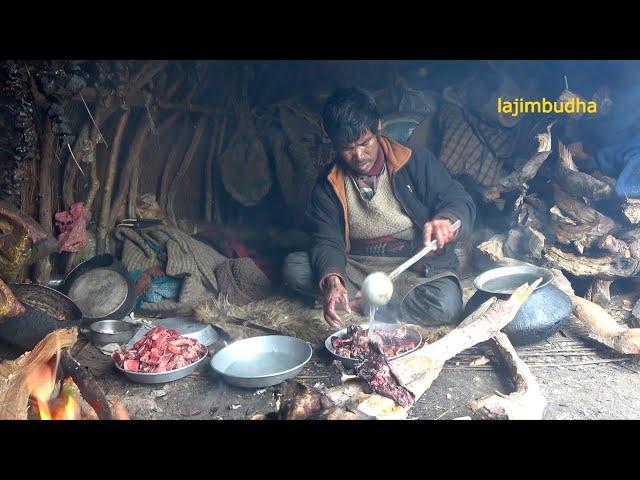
<point x="351" y="362"/>
<point x="163" y="377"/>
<point x="260" y="362"/>
<point x="505" y="280"/>
<point x="111" y="331"/>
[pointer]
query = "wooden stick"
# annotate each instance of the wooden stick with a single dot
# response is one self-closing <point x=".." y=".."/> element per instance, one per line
<point x="186" y="161"/>
<point x="208" y="175"/>
<point x="605" y="268"/>
<point x="89" y="389"/>
<point x="526" y="403"/>
<point x="101" y="114"/>
<point x="45" y="213"/>
<point x="70" y="174"/>
<point x="104" y="224"/>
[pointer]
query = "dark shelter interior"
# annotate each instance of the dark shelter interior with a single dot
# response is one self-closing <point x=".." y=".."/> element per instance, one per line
<point x="148" y="210"/>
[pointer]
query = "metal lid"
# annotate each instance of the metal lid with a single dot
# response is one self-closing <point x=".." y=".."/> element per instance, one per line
<point x="99" y="292"/>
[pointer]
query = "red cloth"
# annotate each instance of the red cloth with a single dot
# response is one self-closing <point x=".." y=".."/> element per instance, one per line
<point x="235" y="249"/>
<point x="73" y="228"/>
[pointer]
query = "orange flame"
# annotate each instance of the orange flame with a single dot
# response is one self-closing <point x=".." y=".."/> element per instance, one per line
<point x="41" y="382"/>
<point x="120" y="412"/>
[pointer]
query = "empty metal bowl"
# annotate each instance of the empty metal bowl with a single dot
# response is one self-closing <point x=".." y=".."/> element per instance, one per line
<point x="260" y="362"/>
<point x="111" y="331"/>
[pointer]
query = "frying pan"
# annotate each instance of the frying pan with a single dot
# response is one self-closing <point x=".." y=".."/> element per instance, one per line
<point x="46" y="310"/>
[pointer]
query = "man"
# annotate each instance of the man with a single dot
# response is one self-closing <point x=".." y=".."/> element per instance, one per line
<point x="373" y="208"/>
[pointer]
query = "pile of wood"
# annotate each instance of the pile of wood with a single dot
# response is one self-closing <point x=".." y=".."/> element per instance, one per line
<point x="575" y="224"/>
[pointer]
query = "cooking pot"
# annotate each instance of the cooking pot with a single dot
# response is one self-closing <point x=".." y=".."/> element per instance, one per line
<point x="540" y="316"/>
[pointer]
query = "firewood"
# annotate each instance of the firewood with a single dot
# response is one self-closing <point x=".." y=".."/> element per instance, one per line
<point x="577" y="183"/>
<point x="214" y="152"/>
<point x="631" y="210"/>
<point x="419" y="369"/>
<point x="104" y="225"/>
<point x="598" y="292"/>
<point x="45" y="209"/>
<point x="604" y="268"/>
<point x="575" y="223"/>
<point x="493" y="249"/>
<point x="88" y="386"/>
<point x="526" y="403"/>
<point x="604" y="329"/>
<point x="632" y="239"/>
<point x="71" y="170"/>
<point x="614" y="246"/>
<point x="529" y="169"/>
<point x="14" y="391"/>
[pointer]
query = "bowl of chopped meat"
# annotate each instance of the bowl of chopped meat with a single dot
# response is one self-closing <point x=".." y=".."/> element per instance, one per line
<point x="351" y="344"/>
<point x="161" y="356"/>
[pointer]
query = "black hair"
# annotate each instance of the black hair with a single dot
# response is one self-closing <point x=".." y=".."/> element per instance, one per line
<point x="348" y="113"/>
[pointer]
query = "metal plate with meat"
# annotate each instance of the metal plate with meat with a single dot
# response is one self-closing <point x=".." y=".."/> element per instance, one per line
<point x="352" y="344"/>
<point x="160" y="350"/>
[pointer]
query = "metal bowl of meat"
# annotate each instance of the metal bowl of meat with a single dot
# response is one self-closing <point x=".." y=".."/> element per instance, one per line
<point x="351" y="344"/>
<point x="260" y="362"/>
<point x="161" y="356"/>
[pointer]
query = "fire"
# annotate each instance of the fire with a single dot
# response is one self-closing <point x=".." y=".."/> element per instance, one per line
<point x="41" y="383"/>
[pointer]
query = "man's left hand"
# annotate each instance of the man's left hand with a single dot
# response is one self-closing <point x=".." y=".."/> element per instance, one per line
<point x="439" y="229"/>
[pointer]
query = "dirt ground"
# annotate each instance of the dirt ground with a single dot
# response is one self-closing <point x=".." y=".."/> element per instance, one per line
<point x="580" y="379"/>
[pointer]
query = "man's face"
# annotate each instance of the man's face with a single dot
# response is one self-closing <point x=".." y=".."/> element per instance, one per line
<point x="360" y="155"/>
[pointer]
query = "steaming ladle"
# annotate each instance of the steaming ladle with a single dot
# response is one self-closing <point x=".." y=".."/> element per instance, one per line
<point x="378" y="286"/>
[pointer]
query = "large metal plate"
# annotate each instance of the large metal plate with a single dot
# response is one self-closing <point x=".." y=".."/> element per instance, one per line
<point x="99" y="292"/>
<point x="260" y="362"/>
<point x="505" y="280"/>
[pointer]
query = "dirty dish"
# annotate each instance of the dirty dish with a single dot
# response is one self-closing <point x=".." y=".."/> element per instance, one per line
<point x="162" y="377"/>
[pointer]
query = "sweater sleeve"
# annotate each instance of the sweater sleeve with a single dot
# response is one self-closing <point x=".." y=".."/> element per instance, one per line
<point x="328" y="254"/>
<point x="448" y="197"/>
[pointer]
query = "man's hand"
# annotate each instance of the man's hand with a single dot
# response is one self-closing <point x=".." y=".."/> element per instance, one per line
<point x="334" y="293"/>
<point x="439" y="229"/>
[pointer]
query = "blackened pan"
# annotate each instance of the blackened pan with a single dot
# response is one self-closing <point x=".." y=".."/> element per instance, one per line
<point x="46" y="310"/>
<point x="102" y="288"/>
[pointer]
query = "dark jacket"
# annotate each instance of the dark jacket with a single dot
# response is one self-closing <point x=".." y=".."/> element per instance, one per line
<point x="424" y="189"/>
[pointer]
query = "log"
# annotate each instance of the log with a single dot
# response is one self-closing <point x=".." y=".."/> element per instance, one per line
<point x="14" y="374"/>
<point x="100" y="115"/>
<point x="635" y="313"/>
<point x="526" y="403"/>
<point x="103" y="225"/>
<point x="614" y="246"/>
<point x="632" y="239"/>
<point x="631" y="210"/>
<point x="493" y="249"/>
<point x="418" y="370"/>
<point x="604" y="329"/>
<point x="184" y="166"/>
<point x="529" y="169"/>
<point x="215" y="150"/>
<point x="604" y="268"/>
<point x="575" y="223"/>
<point x="71" y="170"/>
<point x="45" y="209"/>
<point x="87" y="384"/>
<point x="599" y="292"/>
<point x="576" y="183"/>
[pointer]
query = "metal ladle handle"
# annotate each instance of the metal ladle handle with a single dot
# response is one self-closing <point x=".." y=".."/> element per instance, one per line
<point x="430" y="246"/>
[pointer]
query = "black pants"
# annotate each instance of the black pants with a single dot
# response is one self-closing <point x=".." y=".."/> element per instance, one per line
<point x="438" y="302"/>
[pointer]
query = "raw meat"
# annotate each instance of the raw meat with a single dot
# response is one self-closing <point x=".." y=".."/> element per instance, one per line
<point x="160" y="350"/>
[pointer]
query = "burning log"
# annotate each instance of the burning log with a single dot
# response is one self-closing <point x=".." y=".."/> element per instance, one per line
<point x="577" y="183"/>
<point x="526" y="403"/>
<point x="631" y="210"/>
<point x="88" y="386"/>
<point x="605" y="268"/>
<point x="14" y="374"/>
<point x="604" y="329"/>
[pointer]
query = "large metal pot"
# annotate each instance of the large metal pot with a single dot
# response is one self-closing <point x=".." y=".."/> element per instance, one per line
<point x="46" y="310"/>
<point x="542" y="314"/>
<point x="102" y="288"/>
